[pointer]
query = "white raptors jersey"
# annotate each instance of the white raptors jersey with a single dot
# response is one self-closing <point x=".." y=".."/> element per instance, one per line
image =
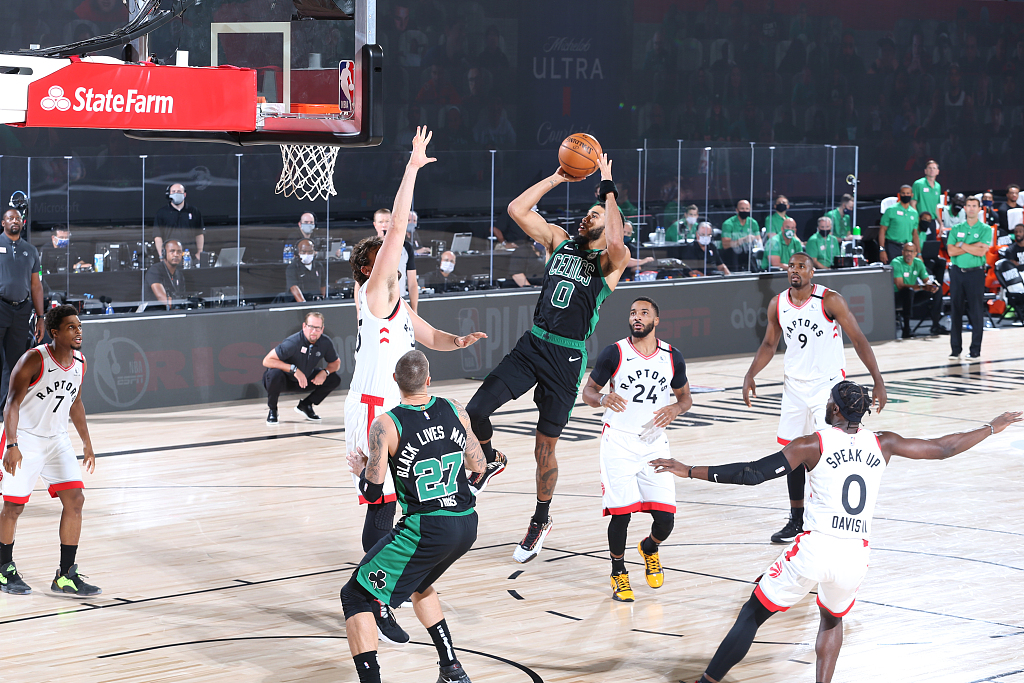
<point x="380" y="342"/>
<point x="644" y="381"/>
<point x="814" y="342"/>
<point x="844" y="484"/>
<point x="47" y="403"/>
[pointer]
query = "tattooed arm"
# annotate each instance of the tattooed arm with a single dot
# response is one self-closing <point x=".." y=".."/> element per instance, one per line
<point x="382" y="442"/>
<point x="473" y="455"/>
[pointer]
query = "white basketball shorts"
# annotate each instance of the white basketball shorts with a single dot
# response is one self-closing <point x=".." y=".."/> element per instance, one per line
<point x="52" y="458"/>
<point x="628" y="483"/>
<point x="836" y="565"/>
<point x="803" y="407"/>
<point x="360" y="411"/>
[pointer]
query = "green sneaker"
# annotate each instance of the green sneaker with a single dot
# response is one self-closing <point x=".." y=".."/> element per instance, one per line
<point x="72" y="584"/>
<point x="10" y="581"/>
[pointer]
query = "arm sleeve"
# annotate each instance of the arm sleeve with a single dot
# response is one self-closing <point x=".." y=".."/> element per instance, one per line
<point x="678" y="369"/>
<point x="606" y="365"/>
<point x="751" y="473"/>
<point x="411" y="263"/>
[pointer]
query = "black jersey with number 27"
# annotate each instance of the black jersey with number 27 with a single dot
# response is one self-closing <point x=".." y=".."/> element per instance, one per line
<point x="572" y="292"/>
<point x="427" y="467"/>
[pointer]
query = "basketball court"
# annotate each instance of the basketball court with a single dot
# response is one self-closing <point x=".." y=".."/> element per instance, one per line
<point x="221" y="545"/>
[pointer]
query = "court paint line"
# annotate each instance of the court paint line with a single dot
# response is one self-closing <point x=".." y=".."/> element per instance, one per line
<point x="998" y="676"/>
<point x="515" y="595"/>
<point x="950" y="557"/>
<point x="658" y="633"/>
<point x="224" y="442"/>
<point x="565" y="616"/>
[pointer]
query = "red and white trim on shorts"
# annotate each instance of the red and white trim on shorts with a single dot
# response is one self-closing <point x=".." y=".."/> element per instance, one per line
<point x="768" y="604"/>
<point x="640" y="506"/>
<point x="839" y="615"/>
<point x="389" y="498"/>
<point x="791" y="553"/>
<point x="64" y="486"/>
<point x="784" y="442"/>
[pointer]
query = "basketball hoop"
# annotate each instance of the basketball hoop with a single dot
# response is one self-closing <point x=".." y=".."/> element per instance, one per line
<point x="307" y="172"/>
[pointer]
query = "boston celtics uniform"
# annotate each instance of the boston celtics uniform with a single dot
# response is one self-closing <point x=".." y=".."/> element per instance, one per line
<point x="552" y="354"/>
<point x="440" y="523"/>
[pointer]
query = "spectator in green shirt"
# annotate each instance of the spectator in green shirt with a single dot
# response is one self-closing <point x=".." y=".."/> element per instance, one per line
<point x="684" y="229"/>
<point x="927" y="192"/>
<point x="899" y="226"/>
<point x="822" y="246"/>
<point x="782" y="246"/>
<point x="842" y="218"/>
<point x="773" y="223"/>
<point x="967" y="244"/>
<point x="740" y="234"/>
<point x="912" y="284"/>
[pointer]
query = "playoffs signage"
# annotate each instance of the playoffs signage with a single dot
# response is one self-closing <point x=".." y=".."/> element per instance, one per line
<point x="144" y="97"/>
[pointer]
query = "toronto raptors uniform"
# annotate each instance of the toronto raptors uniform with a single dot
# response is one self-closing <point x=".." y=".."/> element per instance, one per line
<point x="379" y="344"/>
<point x="43" y="431"/>
<point x="814" y="362"/>
<point x="833" y="551"/>
<point x="628" y="482"/>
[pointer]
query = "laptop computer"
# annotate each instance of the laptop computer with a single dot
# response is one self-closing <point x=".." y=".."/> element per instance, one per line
<point x="461" y="242"/>
<point x="230" y="257"/>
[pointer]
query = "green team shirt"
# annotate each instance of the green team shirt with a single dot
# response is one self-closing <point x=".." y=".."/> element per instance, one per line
<point x="824" y="249"/>
<point x="680" y="230"/>
<point x="900" y="223"/>
<point x="773" y="223"/>
<point x="731" y="228"/>
<point x="778" y="247"/>
<point x="926" y="196"/>
<point x="913" y="274"/>
<point x="969" y="234"/>
<point x="842" y="225"/>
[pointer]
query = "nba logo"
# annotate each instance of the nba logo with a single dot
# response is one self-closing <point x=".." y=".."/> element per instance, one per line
<point x="346" y="86"/>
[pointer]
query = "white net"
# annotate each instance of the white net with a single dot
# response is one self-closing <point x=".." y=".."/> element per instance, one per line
<point x="307" y="171"/>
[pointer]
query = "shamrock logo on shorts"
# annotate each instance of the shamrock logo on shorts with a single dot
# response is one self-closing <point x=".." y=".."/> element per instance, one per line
<point x="378" y="579"/>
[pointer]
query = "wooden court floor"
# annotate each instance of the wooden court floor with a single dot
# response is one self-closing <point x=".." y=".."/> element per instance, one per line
<point x="221" y="545"/>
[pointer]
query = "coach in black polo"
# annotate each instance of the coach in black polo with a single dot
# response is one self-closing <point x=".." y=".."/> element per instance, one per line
<point x="294" y="365"/>
<point x="21" y="290"/>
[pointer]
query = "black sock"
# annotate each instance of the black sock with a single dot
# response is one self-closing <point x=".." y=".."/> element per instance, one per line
<point x="798" y="515"/>
<point x="618" y="565"/>
<point x="485" y="446"/>
<point x="540" y="515"/>
<point x="6" y="552"/>
<point x="442" y="637"/>
<point x="67" y="557"/>
<point x="649" y="546"/>
<point x="367" y="667"/>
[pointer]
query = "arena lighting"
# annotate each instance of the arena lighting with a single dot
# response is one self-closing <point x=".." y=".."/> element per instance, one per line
<point x="851" y="179"/>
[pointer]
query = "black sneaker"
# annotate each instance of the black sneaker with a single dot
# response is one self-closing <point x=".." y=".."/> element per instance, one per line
<point x="10" y="581"/>
<point x="387" y="626"/>
<point x="72" y="584"/>
<point x="453" y="674"/>
<point x="306" y="411"/>
<point x="788" y="532"/>
<point x="478" y="481"/>
<point x="939" y="329"/>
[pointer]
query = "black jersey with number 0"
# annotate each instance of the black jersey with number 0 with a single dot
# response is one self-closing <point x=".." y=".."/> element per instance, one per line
<point x="572" y="292"/>
<point x="427" y="467"/>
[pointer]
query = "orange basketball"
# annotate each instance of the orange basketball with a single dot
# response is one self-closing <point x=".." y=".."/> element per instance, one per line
<point x="579" y="154"/>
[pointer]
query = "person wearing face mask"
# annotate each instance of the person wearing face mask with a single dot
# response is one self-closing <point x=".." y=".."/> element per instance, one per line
<point x="1012" y="195"/>
<point x="305" y="276"/>
<point x="842" y="218"/>
<point x="443" y="279"/>
<point x="991" y="212"/>
<point x="822" y="246"/>
<point x="773" y="223"/>
<point x="60" y="254"/>
<point x="898" y="226"/>
<point x="180" y="221"/>
<point x="781" y="247"/>
<point x="701" y="256"/>
<point x="684" y="229"/>
<point x="954" y="214"/>
<point x="307" y="226"/>
<point x="927" y="191"/>
<point x="740" y="233"/>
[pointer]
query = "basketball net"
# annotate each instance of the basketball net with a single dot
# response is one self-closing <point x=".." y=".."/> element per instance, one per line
<point x="307" y="172"/>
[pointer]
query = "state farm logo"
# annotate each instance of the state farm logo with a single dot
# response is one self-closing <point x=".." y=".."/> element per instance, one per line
<point x="55" y="100"/>
<point x="130" y="101"/>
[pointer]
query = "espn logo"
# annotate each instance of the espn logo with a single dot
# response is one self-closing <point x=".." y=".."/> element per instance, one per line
<point x="133" y="100"/>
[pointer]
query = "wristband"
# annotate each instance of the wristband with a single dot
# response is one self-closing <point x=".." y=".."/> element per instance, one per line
<point x="601" y="402"/>
<point x="605" y="188"/>
<point x="989" y="426"/>
<point x="11" y="445"/>
<point x="372" y="493"/>
<point x="689" y="473"/>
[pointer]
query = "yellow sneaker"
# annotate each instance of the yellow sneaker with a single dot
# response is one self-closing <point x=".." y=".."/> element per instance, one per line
<point x="652" y="567"/>
<point x="621" y="589"/>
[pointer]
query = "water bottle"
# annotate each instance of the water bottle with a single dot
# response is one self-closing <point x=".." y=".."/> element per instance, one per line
<point x="289" y="253"/>
<point x="135" y="260"/>
<point x="187" y="260"/>
<point x="661" y="236"/>
<point x="110" y="308"/>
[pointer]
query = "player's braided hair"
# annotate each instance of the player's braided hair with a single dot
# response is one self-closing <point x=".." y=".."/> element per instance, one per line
<point x="361" y="257"/>
<point x="854" y="400"/>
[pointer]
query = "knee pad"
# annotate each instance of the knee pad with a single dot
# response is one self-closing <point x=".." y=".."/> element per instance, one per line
<point x="548" y="428"/>
<point x="383" y="515"/>
<point x="663" y="524"/>
<point x="355" y="599"/>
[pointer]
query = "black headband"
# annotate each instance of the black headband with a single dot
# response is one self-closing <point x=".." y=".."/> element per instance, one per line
<point x="845" y="410"/>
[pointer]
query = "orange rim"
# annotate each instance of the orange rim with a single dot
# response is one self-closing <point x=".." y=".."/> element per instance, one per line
<point x="303" y="108"/>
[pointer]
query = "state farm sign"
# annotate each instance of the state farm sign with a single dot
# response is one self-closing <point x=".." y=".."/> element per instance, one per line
<point x="144" y="97"/>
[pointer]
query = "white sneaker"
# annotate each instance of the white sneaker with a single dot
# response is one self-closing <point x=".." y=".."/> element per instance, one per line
<point x="533" y="542"/>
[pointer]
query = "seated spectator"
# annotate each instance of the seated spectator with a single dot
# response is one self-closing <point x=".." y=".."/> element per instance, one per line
<point x="407" y="282"/>
<point x="684" y="229"/>
<point x="443" y="278"/>
<point x="56" y="257"/>
<point x="305" y="276"/>
<point x="773" y="223"/>
<point x="782" y="246"/>
<point x="842" y="218"/>
<point x="701" y="256"/>
<point x="912" y="284"/>
<point x="294" y="365"/>
<point x="926" y="228"/>
<point x="822" y="246"/>
<point x="527" y="265"/>
<point x="1014" y="251"/>
<point x="740" y="235"/>
<point x="165" y="280"/>
<point x="991" y="212"/>
<point x="1012" y="195"/>
<point x="307" y="224"/>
